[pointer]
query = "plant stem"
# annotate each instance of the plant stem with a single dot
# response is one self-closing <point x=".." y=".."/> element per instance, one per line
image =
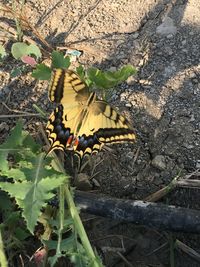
<point x="79" y="227"/>
<point x="61" y="218"/>
<point x="3" y="261"/>
<point x="40" y="111"/>
<point x="75" y="216"/>
<point x="17" y="21"/>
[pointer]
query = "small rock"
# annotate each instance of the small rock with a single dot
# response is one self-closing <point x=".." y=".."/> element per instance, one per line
<point x="169" y="51"/>
<point x="83" y="182"/>
<point x="198" y="164"/>
<point x="183" y="42"/>
<point x="167" y="27"/>
<point x="128" y="105"/>
<point x="135" y="35"/>
<point x="130" y="155"/>
<point x="4" y="126"/>
<point x="159" y="162"/>
<point x="112" y="69"/>
<point x="130" y="80"/>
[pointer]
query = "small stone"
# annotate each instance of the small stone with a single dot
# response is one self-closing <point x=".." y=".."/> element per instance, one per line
<point x="159" y="162"/>
<point x="130" y="155"/>
<point x="83" y="182"/>
<point x="128" y="105"/>
<point x="169" y="51"/>
<point x="135" y="35"/>
<point x="166" y="28"/>
<point x="112" y="69"/>
<point x="130" y="80"/>
<point x="4" y="126"/>
<point x="169" y="36"/>
<point x="183" y="42"/>
<point x="198" y="164"/>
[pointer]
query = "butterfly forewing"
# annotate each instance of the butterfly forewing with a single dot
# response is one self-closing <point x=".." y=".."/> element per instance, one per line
<point x="66" y="87"/>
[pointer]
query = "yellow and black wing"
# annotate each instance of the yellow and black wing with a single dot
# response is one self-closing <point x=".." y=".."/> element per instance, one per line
<point x="67" y="88"/>
<point x="81" y="122"/>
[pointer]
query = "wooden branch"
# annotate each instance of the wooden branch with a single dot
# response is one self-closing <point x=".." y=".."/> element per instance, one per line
<point x="153" y="215"/>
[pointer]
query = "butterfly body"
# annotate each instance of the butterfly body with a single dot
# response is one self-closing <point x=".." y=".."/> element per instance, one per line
<point x="82" y="122"/>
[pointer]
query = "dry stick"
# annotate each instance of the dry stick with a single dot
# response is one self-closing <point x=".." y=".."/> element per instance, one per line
<point x="124" y="259"/>
<point x="15" y="110"/>
<point x="19" y="116"/>
<point x="189" y="183"/>
<point x="162" y="192"/>
<point x="191" y="252"/>
<point x="177" y="181"/>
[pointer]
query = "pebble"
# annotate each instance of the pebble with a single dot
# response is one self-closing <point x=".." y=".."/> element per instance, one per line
<point x="135" y="35"/>
<point x="130" y="155"/>
<point x="128" y="105"/>
<point x="198" y="164"/>
<point x="167" y="28"/>
<point x="130" y="80"/>
<point x="4" y="126"/>
<point x="112" y="68"/>
<point x="159" y="162"/>
<point x="83" y="182"/>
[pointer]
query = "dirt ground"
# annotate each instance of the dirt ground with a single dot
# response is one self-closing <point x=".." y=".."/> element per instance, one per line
<point x="161" y="38"/>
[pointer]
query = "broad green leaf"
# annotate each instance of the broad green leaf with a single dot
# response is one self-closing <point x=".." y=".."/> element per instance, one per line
<point x="5" y="203"/>
<point x="34" y="50"/>
<point x="59" y="61"/>
<point x="30" y="142"/>
<point x="39" y="192"/>
<point x="2" y="52"/>
<point x="11" y="144"/>
<point x="21" y="234"/>
<point x="65" y="245"/>
<point x="42" y="72"/>
<point x="81" y="72"/>
<point x="108" y="79"/>
<point x="15" y="173"/>
<point x="33" y="193"/>
<point x="17" y="190"/>
<point x="19" y="49"/>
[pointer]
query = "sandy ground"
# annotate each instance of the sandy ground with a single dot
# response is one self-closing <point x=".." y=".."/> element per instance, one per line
<point x="162" y="40"/>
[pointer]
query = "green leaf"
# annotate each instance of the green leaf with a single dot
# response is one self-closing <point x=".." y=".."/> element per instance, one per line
<point x="33" y="193"/>
<point x="59" y="61"/>
<point x="33" y="49"/>
<point x="20" y="49"/>
<point x="81" y="72"/>
<point x="2" y="52"/>
<point x="42" y="72"/>
<point x="16" y="72"/>
<point x="10" y="145"/>
<point x="108" y="79"/>
<point x="65" y="245"/>
<point x="29" y="142"/>
<point x="39" y="192"/>
<point x="21" y="234"/>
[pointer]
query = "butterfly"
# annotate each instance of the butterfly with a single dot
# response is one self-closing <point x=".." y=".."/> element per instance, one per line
<point x="81" y="122"/>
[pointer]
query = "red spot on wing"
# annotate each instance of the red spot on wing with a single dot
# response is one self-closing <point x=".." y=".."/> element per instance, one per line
<point x="70" y="139"/>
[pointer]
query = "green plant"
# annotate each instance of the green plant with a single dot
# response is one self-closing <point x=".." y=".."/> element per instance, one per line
<point x="28" y="182"/>
<point x="29" y="179"/>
